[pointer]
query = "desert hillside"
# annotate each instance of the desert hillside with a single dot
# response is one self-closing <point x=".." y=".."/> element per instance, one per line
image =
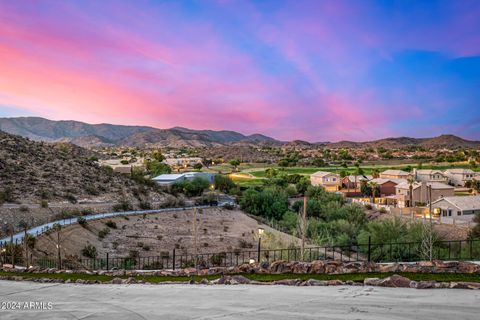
<point x="34" y="171"/>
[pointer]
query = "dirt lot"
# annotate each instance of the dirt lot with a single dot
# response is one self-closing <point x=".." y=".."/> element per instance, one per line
<point x="218" y="230"/>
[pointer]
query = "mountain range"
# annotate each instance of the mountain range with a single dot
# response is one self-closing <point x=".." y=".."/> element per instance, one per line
<point x="91" y="135"/>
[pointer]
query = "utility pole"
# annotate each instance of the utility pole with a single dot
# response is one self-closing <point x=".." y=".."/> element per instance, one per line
<point x="12" y="246"/>
<point x="195" y="236"/>
<point x="304" y="227"/>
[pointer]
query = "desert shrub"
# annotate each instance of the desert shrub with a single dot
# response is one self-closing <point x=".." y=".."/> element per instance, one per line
<point x="89" y="251"/>
<point x="144" y="205"/>
<point x="111" y="224"/>
<point x="123" y="205"/>
<point x="44" y="204"/>
<point x="71" y="198"/>
<point x="159" y="237"/>
<point x="140" y="244"/>
<point x="115" y="244"/>
<point x="368" y="206"/>
<point x="382" y="210"/>
<point x="165" y="254"/>
<point x="24" y="209"/>
<point x="244" y="244"/>
<point x="103" y="233"/>
<point x="217" y="259"/>
<point x="82" y="222"/>
<point x="146" y="247"/>
<point x="228" y="206"/>
<point x="31" y="241"/>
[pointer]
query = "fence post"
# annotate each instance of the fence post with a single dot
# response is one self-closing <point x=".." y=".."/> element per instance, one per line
<point x="369" y="248"/>
<point x="173" y="258"/>
<point x="107" y="262"/>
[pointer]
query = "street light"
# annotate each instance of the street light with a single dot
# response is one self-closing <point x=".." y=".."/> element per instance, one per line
<point x="260" y="232"/>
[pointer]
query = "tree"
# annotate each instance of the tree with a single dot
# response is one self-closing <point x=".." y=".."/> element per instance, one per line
<point x="235" y="163"/>
<point x="158" y="156"/>
<point x="374" y="186"/>
<point x="224" y="183"/>
<point x="302" y="185"/>
<point x="375" y="173"/>
<point x="155" y="168"/>
<point x="198" y="166"/>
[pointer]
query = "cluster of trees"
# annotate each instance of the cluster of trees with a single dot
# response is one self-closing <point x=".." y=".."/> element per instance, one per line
<point x="191" y="188"/>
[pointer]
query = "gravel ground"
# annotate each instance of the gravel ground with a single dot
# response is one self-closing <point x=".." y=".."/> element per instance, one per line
<point x="131" y="302"/>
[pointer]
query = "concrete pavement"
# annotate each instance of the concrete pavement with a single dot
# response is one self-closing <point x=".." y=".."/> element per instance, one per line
<point x="131" y="302"/>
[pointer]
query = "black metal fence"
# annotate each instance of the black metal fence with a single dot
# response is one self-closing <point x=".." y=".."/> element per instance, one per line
<point x="376" y="252"/>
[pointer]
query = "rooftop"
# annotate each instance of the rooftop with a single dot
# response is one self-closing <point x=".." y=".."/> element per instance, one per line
<point x="463" y="202"/>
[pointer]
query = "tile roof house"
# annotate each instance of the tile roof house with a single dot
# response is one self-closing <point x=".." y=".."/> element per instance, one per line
<point x="459" y="207"/>
<point x="387" y="186"/>
<point x="458" y="177"/>
<point x="421" y="192"/>
<point x="395" y="174"/>
<point x="329" y="180"/>
<point x="429" y="175"/>
<point x="353" y="182"/>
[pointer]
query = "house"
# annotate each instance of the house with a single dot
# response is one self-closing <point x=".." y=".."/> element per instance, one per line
<point x="429" y="176"/>
<point x="395" y="174"/>
<point x="458" y="177"/>
<point x="459" y="207"/>
<point x="178" y="163"/>
<point x="170" y="179"/>
<point x="421" y="192"/>
<point x="387" y="186"/>
<point x="354" y="182"/>
<point x="330" y="181"/>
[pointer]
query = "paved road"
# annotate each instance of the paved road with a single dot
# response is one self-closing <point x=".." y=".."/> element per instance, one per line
<point x="132" y="302"/>
<point x="35" y="231"/>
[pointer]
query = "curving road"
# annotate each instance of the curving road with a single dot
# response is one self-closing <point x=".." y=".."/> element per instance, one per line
<point x="135" y="302"/>
<point x="35" y="231"/>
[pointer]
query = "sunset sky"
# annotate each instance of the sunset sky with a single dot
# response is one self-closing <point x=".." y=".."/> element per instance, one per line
<point x="314" y="70"/>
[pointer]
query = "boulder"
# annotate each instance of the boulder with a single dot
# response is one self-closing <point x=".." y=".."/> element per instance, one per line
<point x="465" y="285"/>
<point x="372" y="281"/>
<point x="395" y="281"/>
<point x="423" y="284"/>
<point x="190" y="271"/>
<point x="288" y="282"/>
<point x="468" y="267"/>
<point x="317" y="266"/>
<point x="335" y="283"/>
<point x="315" y="283"/>
<point x="238" y="279"/>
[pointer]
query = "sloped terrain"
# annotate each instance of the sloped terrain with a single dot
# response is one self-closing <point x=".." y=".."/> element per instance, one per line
<point x="34" y="171"/>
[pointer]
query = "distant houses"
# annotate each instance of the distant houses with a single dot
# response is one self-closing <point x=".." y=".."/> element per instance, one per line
<point x="329" y="180"/>
<point x="354" y="182"/>
<point x="387" y="185"/>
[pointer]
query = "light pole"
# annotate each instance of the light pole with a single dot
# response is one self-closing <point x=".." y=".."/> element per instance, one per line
<point x="260" y="232"/>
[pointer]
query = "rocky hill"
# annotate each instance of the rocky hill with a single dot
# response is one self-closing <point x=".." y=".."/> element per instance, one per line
<point x="33" y="171"/>
<point x="443" y="141"/>
<point x="88" y="135"/>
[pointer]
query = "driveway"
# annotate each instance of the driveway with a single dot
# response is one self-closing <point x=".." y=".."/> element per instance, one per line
<point x="131" y="302"/>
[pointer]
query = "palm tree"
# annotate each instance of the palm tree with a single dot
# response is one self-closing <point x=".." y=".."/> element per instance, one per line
<point x="373" y="185"/>
<point x="410" y="187"/>
<point x="375" y="173"/>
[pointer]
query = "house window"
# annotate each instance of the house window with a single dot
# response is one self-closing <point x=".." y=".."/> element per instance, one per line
<point x="459" y="213"/>
<point x="449" y="212"/>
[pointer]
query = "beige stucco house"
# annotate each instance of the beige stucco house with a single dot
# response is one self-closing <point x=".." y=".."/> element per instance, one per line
<point x="329" y="180"/>
<point x="458" y="177"/>
<point x="461" y="207"/>
<point x="421" y="192"/>
<point x="429" y="176"/>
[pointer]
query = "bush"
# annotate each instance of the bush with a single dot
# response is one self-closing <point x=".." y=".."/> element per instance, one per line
<point x="368" y="206"/>
<point x="146" y="247"/>
<point x="89" y="251"/>
<point x="24" y="209"/>
<point x="103" y="233"/>
<point x="82" y="222"/>
<point x="217" y="259"/>
<point x="228" y="206"/>
<point x="145" y="205"/>
<point x="382" y="210"/>
<point x="70" y="197"/>
<point x="123" y="205"/>
<point x="111" y="224"/>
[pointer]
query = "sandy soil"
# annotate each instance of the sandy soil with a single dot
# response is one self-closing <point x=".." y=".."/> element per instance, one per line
<point x="218" y="230"/>
<point x="134" y="302"/>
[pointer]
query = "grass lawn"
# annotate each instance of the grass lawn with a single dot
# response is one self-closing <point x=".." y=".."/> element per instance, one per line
<point x="260" y="173"/>
<point x="357" y="277"/>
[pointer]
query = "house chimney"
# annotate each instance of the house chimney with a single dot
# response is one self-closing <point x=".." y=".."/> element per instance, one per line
<point x="415" y="174"/>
